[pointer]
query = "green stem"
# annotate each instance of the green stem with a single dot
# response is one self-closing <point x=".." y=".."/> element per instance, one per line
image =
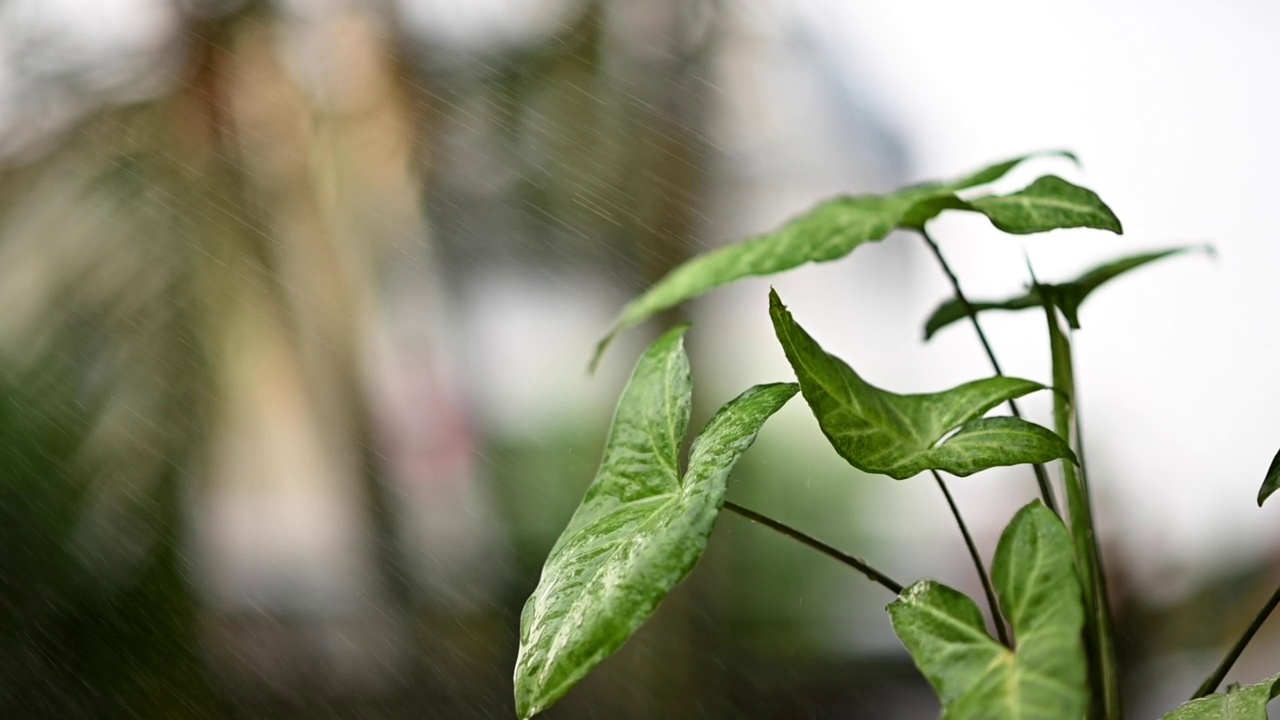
<point x="1211" y="683"/>
<point x="1042" y="475"/>
<point x="1104" y="675"/>
<point x="858" y="564"/>
<point x="987" y="588"/>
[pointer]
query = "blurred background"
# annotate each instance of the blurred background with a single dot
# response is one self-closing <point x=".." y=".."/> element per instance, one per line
<point x="298" y="298"/>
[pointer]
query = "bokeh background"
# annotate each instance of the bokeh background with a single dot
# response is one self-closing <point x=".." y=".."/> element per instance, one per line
<point x="298" y="298"/>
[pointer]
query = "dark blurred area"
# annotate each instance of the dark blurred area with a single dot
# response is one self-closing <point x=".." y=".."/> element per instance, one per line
<point x="298" y="298"/>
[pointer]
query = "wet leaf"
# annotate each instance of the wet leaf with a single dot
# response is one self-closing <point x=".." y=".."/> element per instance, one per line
<point x="1049" y="203"/>
<point x="1066" y="296"/>
<point x="1240" y="703"/>
<point x="640" y="528"/>
<point x="974" y="675"/>
<point x="829" y="231"/>
<point x="901" y="435"/>
<point x="1271" y="482"/>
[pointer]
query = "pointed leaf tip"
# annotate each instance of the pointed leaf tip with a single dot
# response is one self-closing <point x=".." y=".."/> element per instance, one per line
<point x="1271" y="482"/>
<point x="1049" y="203"/>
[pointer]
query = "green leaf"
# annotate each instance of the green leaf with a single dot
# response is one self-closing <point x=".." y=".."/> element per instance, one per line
<point x="1066" y="296"/>
<point x="1238" y="703"/>
<point x="1049" y="203"/>
<point x="829" y="231"/>
<point x="1271" y="482"/>
<point x="974" y="675"/>
<point x="901" y="435"/>
<point x="640" y="528"/>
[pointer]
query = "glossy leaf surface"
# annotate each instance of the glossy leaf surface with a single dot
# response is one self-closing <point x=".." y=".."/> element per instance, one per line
<point x="1241" y="703"/>
<point x="901" y="435"/>
<point x="975" y="676"/>
<point x="1049" y="203"/>
<point x="641" y="526"/>
<point x="829" y="231"/>
<point x="1066" y="296"/>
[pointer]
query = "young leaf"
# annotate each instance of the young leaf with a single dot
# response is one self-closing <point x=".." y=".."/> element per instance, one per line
<point x="828" y="232"/>
<point x="640" y="528"/>
<point x="1067" y="296"/>
<point x="901" y="435"/>
<point x="1049" y="203"/>
<point x="1240" y="703"/>
<point x="1271" y="482"/>
<point x="974" y="675"/>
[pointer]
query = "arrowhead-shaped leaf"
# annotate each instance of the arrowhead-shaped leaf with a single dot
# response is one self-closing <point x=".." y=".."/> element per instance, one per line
<point x="1049" y="203"/>
<point x="1242" y="703"/>
<point x="829" y="231"/>
<point x="640" y="528"/>
<point x="1272" y="482"/>
<point x="1066" y="296"/>
<point x="901" y="435"/>
<point x="974" y="675"/>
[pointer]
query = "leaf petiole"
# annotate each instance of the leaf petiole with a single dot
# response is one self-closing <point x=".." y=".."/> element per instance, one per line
<point x="1042" y="475"/>
<point x="856" y="563"/>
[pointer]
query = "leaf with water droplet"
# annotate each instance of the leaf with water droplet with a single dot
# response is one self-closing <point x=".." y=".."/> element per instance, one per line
<point x="641" y="526"/>
<point x="1049" y="203"/>
<point x="1271" y="482"/>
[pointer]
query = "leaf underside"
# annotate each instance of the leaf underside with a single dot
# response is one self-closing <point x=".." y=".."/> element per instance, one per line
<point x="1067" y="296"/>
<point x="900" y="436"/>
<point x="641" y="526"/>
<point x="1243" y="703"/>
<point x="836" y="227"/>
<point x="978" y="678"/>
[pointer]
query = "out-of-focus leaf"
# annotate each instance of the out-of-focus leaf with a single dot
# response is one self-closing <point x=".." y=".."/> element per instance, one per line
<point x="974" y="675"/>
<point x="1271" y="482"/>
<point x="829" y="231"/>
<point x="1049" y="203"/>
<point x="1238" y="703"/>
<point x="640" y="528"/>
<point x="901" y="435"/>
<point x="1066" y="296"/>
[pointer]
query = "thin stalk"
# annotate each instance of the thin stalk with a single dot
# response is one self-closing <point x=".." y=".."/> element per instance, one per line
<point x="987" y="588"/>
<point x="1101" y="593"/>
<point x="1042" y="475"/>
<point x="1211" y="683"/>
<point x="856" y="563"/>
<point x="1104" y="675"/>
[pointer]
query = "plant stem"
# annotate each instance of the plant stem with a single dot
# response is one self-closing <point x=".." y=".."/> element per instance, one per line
<point x="1042" y="475"/>
<point x="1099" y="631"/>
<point x="856" y="563"/>
<point x="1211" y="683"/>
<point x="1105" y="634"/>
<point x="987" y="588"/>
